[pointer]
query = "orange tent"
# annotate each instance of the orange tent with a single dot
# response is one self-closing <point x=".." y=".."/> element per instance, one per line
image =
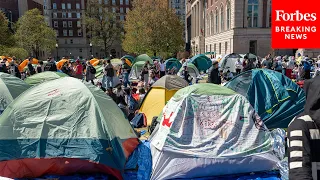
<point x="61" y="63"/>
<point x="25" y="63"/>
<point x="94" y="61"/>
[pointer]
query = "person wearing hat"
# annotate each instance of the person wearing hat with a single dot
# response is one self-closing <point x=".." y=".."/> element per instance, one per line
<point x="214" y="75"/>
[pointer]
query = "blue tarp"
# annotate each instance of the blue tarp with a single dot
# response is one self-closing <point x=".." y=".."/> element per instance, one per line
<point x="275" y="97"/>
<point x="202" y="62"/>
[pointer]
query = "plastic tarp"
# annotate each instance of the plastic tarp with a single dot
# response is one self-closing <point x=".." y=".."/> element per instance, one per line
<point x="143" y="58"/>
<point x="202" y="62"/>
<point x="64" y="127"/>
<point x="208" y="130"/>
<point x="43" y="77"/>
<point x="11" y="87"/>
<point x="276" y="98"/>
<point x="173" y="62"/>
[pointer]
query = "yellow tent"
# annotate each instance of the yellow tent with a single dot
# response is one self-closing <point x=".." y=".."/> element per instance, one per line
<point x="159" y="94"/>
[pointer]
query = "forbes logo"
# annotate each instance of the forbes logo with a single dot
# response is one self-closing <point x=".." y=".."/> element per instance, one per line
<point x="281" y="15"/>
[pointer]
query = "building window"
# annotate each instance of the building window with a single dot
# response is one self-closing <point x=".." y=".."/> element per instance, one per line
<point x="80" y="50"/>
<point x="63" y="6"/>
<point x="121" y="10"/>
<point x="122" y="17"/>
<point x="217" y="21"/>
<point x="69" y="15"/>
<point x="121" y="2"/>
<point x="212" y="23"/>
<point x="78" y="15"/>
<point x="253" y="13"/>
<point x="78" y="24"/>
<point x="106" y="1"/>
<point x="69" y="5"/>
<point x="70" y="32"/>
<point x="127" y="2"/>
<point x="225" y="47"/>
<point x="54" y="5"/>
<point x="71" y="40"/>
<point x="113" y="2"/>
<point x="210" y="48"/>
<point x="79" y="32"/>
<point x="55" y="15"/>
<point x="65" y="32"/>
<point x="77" y="6"/>
<point x="55" y="23"/>
<point x="70" y="23"/>
<point x="114" y="10"/>
<point x="253" y="47"/>
<point x="127" y="10"/>
<point x="222" y="18"/>
<point x="64" y="24"/>
<point x="64" y="15"/>
<point x="228" y="15"/>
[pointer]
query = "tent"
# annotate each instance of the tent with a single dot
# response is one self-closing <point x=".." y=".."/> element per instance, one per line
<point x="130" y="58"/>
<point x="229" y="62"/>
<point x="136" y="70"/>
<point x="208" y="130"/>
<point x="250" y="56"/>
<point x="116" y="62"/>
<point x="11" y="87"/>
<point x="61" y="63"/>
<point x="276" y="98"/>
<point x="159" y="94"/>
<point x="193" y="71"/>
<point x="64" y="127"/>
<point x="173" y="62"/>
<point x="202" y="62"/>
<point x="43" y="77"/>
<point x="143" y="58"/>
<point x="25" y="63"/>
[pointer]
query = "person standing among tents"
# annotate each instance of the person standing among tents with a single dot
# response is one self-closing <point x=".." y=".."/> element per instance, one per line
<point x="125" y="70"/>
<point x="14" y="70"/>
<point x="51" y="66"/>
<point x="109" y="74"/>
<point x="78" y="70"/>
<point x="40" y="67"/>
<point x="145" y="74"/>
<point x="31" y="69"/>
<point x="277" y="64"/>
<point x="290" y="67"/>
<point x="162" y="68"/>
<point x="238" y="65"/>
<point x="303" y="136"/>
<point x="185" y="74"/>
<point x="214" y="76"/>
<point x="3" y="66"/>
<point x="90" y="72"/>
<point x="307" y="68"/>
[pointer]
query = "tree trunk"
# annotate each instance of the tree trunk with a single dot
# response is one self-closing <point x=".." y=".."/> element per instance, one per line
<point x="154" y="54"/>
<point x="105" y="48"/>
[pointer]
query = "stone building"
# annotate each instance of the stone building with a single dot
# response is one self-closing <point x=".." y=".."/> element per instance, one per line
<point x="227" y="26"/>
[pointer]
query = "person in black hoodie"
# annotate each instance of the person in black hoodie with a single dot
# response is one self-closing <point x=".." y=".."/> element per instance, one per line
<point x="304" y="137"/>
<point x="214" y="76"/>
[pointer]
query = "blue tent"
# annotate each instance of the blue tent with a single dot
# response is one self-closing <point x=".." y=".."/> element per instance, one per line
<point x="276" y="98"/>
<point x="201" y="61"/>
<point x="173" y="62"/>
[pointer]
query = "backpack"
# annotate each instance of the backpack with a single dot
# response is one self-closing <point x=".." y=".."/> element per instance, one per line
<point x="93" y="70"/>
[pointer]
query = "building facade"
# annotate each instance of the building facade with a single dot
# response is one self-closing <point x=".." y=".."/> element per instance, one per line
<point x="66" y="17"/>
<point x="180" y="7"/>
<point x="232" y="26"/>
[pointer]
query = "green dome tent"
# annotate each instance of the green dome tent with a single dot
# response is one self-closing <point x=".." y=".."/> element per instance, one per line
<point x="143" y="58"/>
<point x="11" y="87"/>
<point x="62" y="121"/>
<point x="130" y="58"/>
<point x="43" y="77"/>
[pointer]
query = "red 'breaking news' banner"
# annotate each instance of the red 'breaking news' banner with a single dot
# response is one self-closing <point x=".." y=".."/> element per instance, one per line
<point x="295" y="24"/>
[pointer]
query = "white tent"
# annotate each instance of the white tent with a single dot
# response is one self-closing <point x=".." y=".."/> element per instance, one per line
<point x="228" y="62"/>
<point x="209" y="130"/>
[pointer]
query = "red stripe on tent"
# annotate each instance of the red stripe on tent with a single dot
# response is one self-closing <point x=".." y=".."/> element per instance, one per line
<point x="34" y="168"/>
<point x="129" y="146"/>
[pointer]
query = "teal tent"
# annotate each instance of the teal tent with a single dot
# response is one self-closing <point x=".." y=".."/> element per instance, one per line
<point x="202" y="62"/>
<point x="43" y="77"/>
<point x="173" y="62"/>
<point x="130" y="58"/>
<point x="276" y="98"/>
<point x="143" y="58"/>
<point x="10" y="88"/>
<point x="64" y="126"/>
